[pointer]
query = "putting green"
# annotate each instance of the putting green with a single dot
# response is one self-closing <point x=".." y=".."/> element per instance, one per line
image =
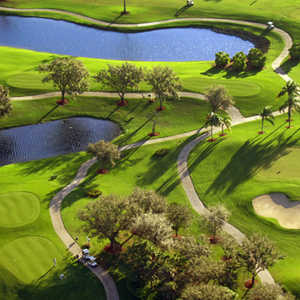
<point x="29" y="81"/>
<point x="28" y="258"/>
<point x="236" y="88"/>
<point x="18" y="209"/>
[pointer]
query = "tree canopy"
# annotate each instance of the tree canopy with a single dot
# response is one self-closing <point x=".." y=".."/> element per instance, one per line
<point x="67" y="74"/>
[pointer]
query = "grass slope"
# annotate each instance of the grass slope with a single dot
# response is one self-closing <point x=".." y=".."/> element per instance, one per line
<point x="244" y="165"/>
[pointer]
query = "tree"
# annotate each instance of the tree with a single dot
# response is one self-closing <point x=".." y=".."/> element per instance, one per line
<point x="239" y="62"/>
<point x="222" y="59"/>
<point x="106" y="218"/>
<point x="106" y="153"/>
<point x="121" y="78"/>
<point x="266" y="114"/>
<point x="179" y="216"/>
<point x="219" y="98"/>
<point x="295" y="52"/>
<point x="153" y="227"/>
<point x="293" y="102"/>
<point x="268" y="292"/>
<point x="225" y="123"/>
<point x="164" y="82"/>
<point x="212" y="120"/>
<point x="257" y="254"/>
<point x="207" y="291"/>
<point x="147" y="201"/>
<point x="215" y="219"/>
<point x="67" y="74"/>
<point x="5" y="105"/>
<point x="256" y="58"/>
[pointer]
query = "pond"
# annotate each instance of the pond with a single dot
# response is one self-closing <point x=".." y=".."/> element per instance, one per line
<point x="172" y="44"/>
<point x="53" y="138"/>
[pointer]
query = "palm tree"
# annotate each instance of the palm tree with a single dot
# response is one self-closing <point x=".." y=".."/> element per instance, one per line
<point x="219" y="98"/>
<point x="266" y="114"/>
<point x="293" y="101"/>
<point x="213" y="120"/>
<point x="225" y="123"/>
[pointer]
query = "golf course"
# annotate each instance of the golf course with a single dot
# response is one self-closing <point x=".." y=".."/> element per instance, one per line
<point x="170" y="144"/>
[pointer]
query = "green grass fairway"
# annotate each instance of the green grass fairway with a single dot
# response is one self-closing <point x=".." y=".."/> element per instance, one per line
<point x="18" y="209"/>
<point x="236" y="169"/>
<point x="29" y="258"/>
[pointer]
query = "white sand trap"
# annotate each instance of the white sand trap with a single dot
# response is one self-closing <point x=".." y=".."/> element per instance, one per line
<point x="280" y="207"/>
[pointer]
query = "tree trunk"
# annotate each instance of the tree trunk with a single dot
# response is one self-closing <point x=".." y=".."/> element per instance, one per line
<point x="127" y="240"/>
<point x="153" y="127"/>
<point x="115" y="247"/>
<point x="160" y="104"/>
<point x="211" y="132"/>
<point x="122" y="98"/>
<point x="289" y="115"/>
<point x="63" y="95"/>
<point x="222" y="129"/>
<point x="262" y="124"/>
<point x="252" y="280"/>
<point x="124" y="10"/>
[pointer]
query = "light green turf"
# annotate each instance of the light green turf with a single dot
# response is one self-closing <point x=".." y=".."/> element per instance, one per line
<point x="251" y="91"/>
<point x="29" y="258"/>
<point x="27" y="252"/>
<point x="236" y="169"/>
<point x="18" y="209"/>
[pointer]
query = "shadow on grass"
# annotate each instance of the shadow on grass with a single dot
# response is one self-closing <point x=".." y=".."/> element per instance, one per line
<point x="78" y="283"/>
<point x="251" y="157"/>
<point x="48" y="113"/>
<point x="289" y="65"/>
<point x="62" y="168"/>
<point x="181" y="10"/>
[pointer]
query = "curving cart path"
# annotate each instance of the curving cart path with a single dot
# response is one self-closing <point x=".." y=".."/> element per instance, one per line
<point x="182" y="162"/>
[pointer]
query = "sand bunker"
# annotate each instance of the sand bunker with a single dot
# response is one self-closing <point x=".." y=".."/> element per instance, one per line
<point x="278" y="206"/>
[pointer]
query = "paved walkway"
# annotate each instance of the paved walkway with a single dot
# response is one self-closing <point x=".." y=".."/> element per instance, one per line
<point x="55" y="205"/>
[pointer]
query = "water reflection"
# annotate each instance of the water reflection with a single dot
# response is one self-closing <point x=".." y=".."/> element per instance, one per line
<point x="171" y="44"/>
<point x="53" y="138"/>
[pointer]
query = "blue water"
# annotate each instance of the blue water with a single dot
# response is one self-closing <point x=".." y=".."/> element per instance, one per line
<point x="173" y="44"/>
<point x="53" y="138"/>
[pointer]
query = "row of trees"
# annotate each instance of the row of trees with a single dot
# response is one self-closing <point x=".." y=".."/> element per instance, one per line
<point x="143" y="233"/>
<point x="240" y="61"/>
<point x="70" y="76"/>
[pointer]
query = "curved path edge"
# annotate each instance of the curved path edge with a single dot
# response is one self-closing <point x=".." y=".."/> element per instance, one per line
<point x="55" y="204"/>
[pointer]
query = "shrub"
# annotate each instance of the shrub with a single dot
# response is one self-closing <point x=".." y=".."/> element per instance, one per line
<point x="94" y="193"/>
<point x="295" y="52"/>
<point x="239" y="62"/>
<point x="256" y="58"/>
<point x="222" y="59"/>
<point x="161" y="152"/>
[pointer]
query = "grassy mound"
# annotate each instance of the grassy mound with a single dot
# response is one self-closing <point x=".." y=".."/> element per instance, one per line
<point x="28" y="258"/>
<point x="18" y="209"/>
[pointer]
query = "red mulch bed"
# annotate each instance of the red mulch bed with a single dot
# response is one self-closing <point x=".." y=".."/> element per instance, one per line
<point x="102" y="171"/>
<point x="213" y="239"/>
<point x="122" y="103"/>
<point x="222" y="134"/>
<point x="160" y="108"/>
<point x="261" y="132"/>
<point x="62" y="102"/>
<point x="211" y="140"/>
<point x="153" y="134"/>
<point x="248" y="284"/>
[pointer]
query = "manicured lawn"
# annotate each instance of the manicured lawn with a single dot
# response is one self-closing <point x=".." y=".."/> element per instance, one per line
<point x="179" y="116"/>
<point x="250" y="90"/>
<point x="28" y="241"/>
<point x="236" y="169"/>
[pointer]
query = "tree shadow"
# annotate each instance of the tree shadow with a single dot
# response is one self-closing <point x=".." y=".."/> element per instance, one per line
<point x="251" y="157"/>
<point x="61" y="171"/>
<point x="288" y="65"/>
<point x="181" y="10"/>
<point x="212" y="71"/>
<point x="48" y="113"/>
<point x="112" y="112"/>
<point x="78" y="280"/>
